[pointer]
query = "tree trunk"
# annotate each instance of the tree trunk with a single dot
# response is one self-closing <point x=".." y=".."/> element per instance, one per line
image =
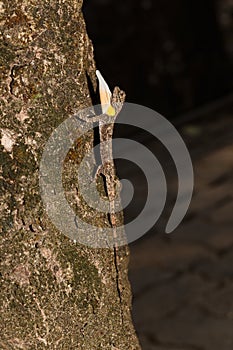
<point x="55" y="293"/>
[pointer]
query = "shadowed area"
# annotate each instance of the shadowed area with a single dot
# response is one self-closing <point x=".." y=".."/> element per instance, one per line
<point x="183" y="282"/>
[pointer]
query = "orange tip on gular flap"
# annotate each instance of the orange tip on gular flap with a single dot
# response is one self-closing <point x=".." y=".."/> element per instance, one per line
<point x="105" y="95"/>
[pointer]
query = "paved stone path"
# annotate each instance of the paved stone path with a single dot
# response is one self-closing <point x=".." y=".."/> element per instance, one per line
<point x="183" y="282"/>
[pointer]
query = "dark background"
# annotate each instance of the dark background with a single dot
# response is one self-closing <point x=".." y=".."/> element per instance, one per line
<point x="172" y="56"/>
<point x="176" y="57"/>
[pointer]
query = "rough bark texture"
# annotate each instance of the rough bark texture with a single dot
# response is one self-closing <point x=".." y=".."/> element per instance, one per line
<point x="55" y="294"/>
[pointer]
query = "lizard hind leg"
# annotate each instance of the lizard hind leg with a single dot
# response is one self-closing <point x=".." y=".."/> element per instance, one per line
<point x="99" y="171"/>
<point x="100" y="179"/>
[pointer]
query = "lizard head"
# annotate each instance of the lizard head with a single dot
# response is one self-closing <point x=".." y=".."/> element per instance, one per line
<point x="118" y="99"/>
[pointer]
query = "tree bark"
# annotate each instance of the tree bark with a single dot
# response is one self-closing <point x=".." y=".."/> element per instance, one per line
<point x="55" y="293"/>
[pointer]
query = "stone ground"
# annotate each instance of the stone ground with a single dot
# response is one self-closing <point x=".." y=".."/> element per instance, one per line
<point x="183" y="282"/>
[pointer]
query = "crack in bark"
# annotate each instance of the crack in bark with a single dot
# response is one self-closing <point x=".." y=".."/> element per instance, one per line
<point x="11" y="75"/>
<point x="118" y="283"/>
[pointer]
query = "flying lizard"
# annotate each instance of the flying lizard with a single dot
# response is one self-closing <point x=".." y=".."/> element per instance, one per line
<point x="111" y="105"/>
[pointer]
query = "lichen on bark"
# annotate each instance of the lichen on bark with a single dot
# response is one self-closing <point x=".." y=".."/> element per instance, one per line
<point x="55" y="294"/>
